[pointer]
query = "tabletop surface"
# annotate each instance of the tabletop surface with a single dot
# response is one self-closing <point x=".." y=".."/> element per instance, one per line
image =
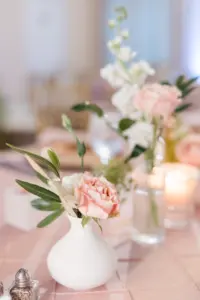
<point x="170" y="271"/>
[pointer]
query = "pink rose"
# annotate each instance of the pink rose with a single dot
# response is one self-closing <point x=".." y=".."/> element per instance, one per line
<point x="188" y="150"/>
<point x="97" y="197"/>
<point x="156" y="100"/>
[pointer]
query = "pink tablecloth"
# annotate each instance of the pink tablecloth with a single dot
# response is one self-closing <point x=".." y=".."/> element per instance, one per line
<point x="168" y="272"/>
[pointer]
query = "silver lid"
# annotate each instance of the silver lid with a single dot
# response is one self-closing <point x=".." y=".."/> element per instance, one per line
<point x="1" y="288"/>
<point x="22" y="278"/>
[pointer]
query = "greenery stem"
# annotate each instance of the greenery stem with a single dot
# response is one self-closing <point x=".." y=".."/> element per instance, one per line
<point x="150" y="157"/>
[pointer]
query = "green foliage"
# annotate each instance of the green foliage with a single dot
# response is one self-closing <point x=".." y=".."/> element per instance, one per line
<point x="137" y="151"/>
<point x="182" y="107"/>
<point x="81" y="149"/>
<point x="38" y="191"/>
<point x="51" y="218"/>
<point x="67" y="124"/>
<point x="41" y="161"/>
<point x="115" y="172"/>
<point x="88" y="107"/>
<point x="85" y="220"/>
<point x="54" y="158"/>
<point x="42" y="178"/>
<point x="186" y="87"/>
<point x="45" y="205"/>
<point x="125" y="124"/>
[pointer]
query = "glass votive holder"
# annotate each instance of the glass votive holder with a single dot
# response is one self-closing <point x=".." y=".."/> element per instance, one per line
<point x="180" y="184"/>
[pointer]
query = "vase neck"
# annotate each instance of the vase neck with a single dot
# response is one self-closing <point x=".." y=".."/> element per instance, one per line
<point x="75" y="225"/>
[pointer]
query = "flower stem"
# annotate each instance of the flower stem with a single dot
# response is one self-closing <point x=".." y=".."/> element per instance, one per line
<point x="150" y="156"/>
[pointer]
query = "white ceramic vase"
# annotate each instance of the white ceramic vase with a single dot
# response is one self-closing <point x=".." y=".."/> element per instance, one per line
<point x="81" y="260"/>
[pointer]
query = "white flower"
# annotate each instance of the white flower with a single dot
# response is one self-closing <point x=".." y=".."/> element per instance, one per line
<point x="116" y="43"/>
<point x="112" y="23"/>
<point x="124" y="33"/>
<point x="115" y="75"/>
<point x="125" y="54"/>
<point x="70" y="182"/>
<point x="140" y="71"/>
<point x="123" y="100"/>
<point x="141" y="134"/>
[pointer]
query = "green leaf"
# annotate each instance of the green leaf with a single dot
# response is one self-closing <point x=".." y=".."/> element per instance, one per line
<point x="88" y="107"/>
<point x="165" y="82"/>
<point x="85" y="220"/>
<point x="54" y="158"/>
<point x="189" y="82"/>
<point x="180" y="80"/>
<point x="51" y="218"/>
<point x="186" y="92"/>
<point x="38" y="191"/>
<point x="81" y="148"/>
<point x="126" y="123"/>
<point x="42" y="178"/>
<point x="41" y="161"/>
<point x="44" y="205"/>
<point x="66" y="122"/>
<point x="137" y="151"/>
<point x="182" y="107"/>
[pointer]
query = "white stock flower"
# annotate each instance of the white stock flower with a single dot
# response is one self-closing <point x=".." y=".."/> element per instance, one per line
<point x="115" y="43"/>
<point x="125" y="54"/>
<point x="70" y="182"/>
<point x="123" y="100"/>
<point x="140" y="133"/>
<point x="140" y="71"/>
<point x="114" y="74"/>
<point x="124" y="33"/>
<point x="112" y="23"/>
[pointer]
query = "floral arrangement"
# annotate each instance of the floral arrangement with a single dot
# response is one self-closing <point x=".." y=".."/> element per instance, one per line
<point x="81" y="195"/>
<point x="145" y="108"/>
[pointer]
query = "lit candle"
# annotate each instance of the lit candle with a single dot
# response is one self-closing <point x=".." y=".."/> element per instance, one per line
<point x="180" y="182"/>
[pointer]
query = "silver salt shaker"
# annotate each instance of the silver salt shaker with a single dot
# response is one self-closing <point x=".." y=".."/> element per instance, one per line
<point x="1" y="289"/>
<point x="24" y="288"/>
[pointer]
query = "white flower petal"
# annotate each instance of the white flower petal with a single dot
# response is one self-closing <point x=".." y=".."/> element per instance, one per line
<point x="140" y="134"/>
<point x="123" y="100"/>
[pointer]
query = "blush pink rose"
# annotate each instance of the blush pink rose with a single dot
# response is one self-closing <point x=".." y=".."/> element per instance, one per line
<point x="188" y="150"/>
<point x="156" y="100"/>
<point x="97" y="197"/>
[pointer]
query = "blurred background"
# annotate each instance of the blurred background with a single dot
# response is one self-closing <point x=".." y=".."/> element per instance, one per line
<point x="51" y="52"/>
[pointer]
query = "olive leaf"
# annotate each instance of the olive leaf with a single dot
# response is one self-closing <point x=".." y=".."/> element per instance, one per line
<point x="41" y="161"/>
<point x="67" y="124"/>
<point x="54" y="158"/>
<point x="44" y="205"/>
<point x="51" y="218"/>
<point x="38" y="191"/>
<point x="88" y="107"/>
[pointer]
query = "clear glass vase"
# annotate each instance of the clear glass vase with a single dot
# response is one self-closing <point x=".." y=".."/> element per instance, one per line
<point x="149" y="211"/>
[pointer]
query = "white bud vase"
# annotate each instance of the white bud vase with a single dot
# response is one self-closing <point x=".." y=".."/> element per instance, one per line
<point x="81" y="260"/>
